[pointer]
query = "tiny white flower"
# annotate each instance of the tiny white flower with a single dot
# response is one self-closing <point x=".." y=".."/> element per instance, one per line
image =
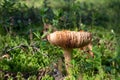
<point x="112" y="31"/>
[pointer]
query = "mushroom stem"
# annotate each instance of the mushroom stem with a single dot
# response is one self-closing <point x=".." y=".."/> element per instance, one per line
<point x="67" y="58"/>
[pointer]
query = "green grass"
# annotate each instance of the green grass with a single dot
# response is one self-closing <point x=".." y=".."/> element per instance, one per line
<point x="27" y="57"/>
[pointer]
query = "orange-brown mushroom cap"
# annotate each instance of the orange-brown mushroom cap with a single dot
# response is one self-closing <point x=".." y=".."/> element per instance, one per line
<point x="70" y="39"/>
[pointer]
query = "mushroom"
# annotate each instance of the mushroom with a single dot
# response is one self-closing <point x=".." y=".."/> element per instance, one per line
<point x="68" y="40"/>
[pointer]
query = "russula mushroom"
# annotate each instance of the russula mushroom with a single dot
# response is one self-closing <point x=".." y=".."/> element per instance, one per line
<point x="69" y="40"/>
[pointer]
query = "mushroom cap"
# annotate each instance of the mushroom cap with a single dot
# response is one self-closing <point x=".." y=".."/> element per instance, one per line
<point x="70" y="39"/>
